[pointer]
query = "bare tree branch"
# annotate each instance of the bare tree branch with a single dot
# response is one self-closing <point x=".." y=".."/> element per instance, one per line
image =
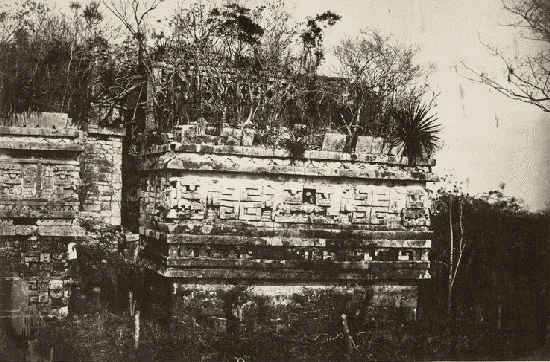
<point x="527" y="80"/>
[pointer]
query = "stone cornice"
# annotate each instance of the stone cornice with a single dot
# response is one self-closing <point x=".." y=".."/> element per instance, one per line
<point x="115" y="132"/>
<point x="262" y="152"/>
<point x="39" y="132"/>
<point x="240" y="163"/>
<point x="41" y="146"/>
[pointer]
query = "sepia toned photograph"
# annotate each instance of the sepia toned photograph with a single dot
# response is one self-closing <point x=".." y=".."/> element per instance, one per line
<point x="274" y="180"/>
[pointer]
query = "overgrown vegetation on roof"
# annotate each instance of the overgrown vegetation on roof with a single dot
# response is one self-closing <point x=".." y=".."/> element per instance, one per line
<point x="230" y="65"/>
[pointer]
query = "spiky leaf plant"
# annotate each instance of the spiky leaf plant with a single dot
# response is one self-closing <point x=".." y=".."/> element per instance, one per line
<point x="416" y="132"/>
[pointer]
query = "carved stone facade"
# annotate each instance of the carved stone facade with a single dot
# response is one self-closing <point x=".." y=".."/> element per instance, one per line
<point x="42" y="159"/>
<point x="221" y="216"/>
<point x="217" y="216"/>
<point x="39" y="208"/>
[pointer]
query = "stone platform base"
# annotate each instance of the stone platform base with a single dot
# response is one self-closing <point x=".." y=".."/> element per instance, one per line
<point x="220" y="308"/>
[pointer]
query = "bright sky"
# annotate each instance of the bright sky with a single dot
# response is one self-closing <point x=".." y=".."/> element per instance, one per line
<point x="517" y="152"/>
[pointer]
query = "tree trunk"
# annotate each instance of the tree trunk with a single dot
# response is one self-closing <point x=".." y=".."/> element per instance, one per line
<point x="131" y="302"/>
<point x="150" y="124"/>
<point x="461" y="244"/>
<point x="347" y="338"/>
<point x="451" y="258"/>
<point x="136" y="330"/>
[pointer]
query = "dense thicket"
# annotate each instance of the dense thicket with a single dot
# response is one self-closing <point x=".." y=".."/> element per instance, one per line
<point x="503" y="273"/>
<point x="84" y="65"/>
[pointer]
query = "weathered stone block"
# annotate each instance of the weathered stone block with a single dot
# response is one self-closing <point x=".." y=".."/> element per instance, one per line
<point x="229" y="210"/>
<point x="334" y="142"/>
<point x="251" y="192"/>
<point x="250" y="211"/>
<point x="230" y="192"/>
<point x="379" y="215"/>
<point x="398" y="199"/>
<point x="381" y="196"/>
<point x="292" y="193"/>
<point x="364" y="144"/>
<point x="415" y="199"/>
<point x="248" y="137"/>
<point x="363" y="195"/>
<point x="377" y="145"/>
<point x="416" y="217"/>
<point x="92" y="207"/>
<point x="323" y="197"/>
<point x="361" y="215"/>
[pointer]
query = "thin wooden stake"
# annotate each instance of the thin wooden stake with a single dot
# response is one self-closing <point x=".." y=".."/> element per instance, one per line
<point x="347" y="338"/>
<point x="130" y="298"/>
<point x="136" y="327"/>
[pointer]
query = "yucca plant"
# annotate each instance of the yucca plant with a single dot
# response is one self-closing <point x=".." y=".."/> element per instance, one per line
<point x="416" y="132"/>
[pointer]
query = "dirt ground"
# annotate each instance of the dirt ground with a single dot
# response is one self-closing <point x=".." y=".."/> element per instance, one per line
<point x="9" y="351"/>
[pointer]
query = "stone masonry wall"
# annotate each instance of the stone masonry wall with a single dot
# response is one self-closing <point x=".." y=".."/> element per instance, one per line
<point x="39" y="178"/>
<point x="276" y="307"/>
<point x="101" y="175"/>
<point x="227" y="216"/>
<point x="47" y="168"/>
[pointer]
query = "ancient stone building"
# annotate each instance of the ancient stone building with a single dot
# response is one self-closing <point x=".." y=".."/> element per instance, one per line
<point x="224" y="224"/>
<point x="39" y="179"/>
<point x="51" y="176"/>
<point x="218" y="217"/>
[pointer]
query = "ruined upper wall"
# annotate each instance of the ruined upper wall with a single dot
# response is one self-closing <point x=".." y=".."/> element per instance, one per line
<point x="51" y="120"/>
